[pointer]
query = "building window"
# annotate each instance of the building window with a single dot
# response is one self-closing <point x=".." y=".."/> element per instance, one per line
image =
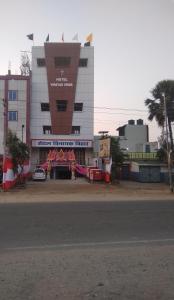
<point x="78" y="106"/>
<point x="83" y="62"/>
<point x="47" y="129"/>
<point x="75" y="130"/>
<point x="12" y="95"/>
<point x="62" y="61"/>
<point x="45" y="106"/>
<point x="61" y="105"/>
<point x="12" y="115"/>
<point x="41" y="62"/>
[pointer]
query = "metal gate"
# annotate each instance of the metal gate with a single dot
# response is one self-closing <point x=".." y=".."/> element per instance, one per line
<point x="125" y="172"/>
<point x="149" y="174"/>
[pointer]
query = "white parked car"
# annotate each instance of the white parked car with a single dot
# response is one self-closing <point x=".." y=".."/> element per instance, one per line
<point x="39" y="174"/>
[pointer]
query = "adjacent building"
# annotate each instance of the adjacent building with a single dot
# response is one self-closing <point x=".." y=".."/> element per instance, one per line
<point x="134" y="136"/>
<point x="142" y="163"/>
<point x="15" y="107"/>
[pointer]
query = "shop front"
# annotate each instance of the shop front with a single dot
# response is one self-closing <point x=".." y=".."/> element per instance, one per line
<point x="59" y="163"/>
<point x="61" y="154"/>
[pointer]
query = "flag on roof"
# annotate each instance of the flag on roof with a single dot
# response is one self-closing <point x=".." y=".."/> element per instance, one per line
<point x="89" y="38"/>
<point x="62" y="37"/>
<point x="47" y="39"/>
<point x="30" y="36"/>
<point x="87" y="44"/>
<point x="75" y="38"/>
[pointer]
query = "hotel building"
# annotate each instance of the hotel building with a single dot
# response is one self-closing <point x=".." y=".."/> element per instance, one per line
<point x="62" y="100"/>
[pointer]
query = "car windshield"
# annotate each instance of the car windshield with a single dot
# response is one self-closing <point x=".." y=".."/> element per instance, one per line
<point x="39" y="171"/>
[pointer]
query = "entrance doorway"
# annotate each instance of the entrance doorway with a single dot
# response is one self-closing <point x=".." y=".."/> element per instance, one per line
<point x="60" y="172"/>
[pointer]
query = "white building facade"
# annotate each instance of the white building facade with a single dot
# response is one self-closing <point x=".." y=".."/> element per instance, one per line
<point x="62" y="100"/>
<point x="133" y="137"/>
<point x="15" y="107"/>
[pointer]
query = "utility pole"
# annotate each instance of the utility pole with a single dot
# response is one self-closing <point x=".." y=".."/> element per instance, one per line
<point x="22" y="131"/>
<point x="168" y="146"/>
<point x="5" y="114"/>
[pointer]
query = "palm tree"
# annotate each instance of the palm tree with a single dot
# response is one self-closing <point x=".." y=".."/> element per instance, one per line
<point x="156" y="106"/>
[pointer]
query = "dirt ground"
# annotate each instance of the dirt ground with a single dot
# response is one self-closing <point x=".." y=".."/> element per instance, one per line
<point x="81" y="190"/>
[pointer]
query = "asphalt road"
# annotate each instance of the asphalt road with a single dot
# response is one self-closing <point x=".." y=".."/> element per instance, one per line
<point x="101" y="250"/>
<point x="30" y="225"/>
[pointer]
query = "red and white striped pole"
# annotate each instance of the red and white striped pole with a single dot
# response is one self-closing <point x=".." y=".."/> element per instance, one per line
<point x="5" y="104"/>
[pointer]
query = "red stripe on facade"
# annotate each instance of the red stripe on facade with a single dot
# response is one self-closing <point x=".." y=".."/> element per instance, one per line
<point x="28" y="141"/>
<point x="62" y="82"/>
<point x="6" y="107"/>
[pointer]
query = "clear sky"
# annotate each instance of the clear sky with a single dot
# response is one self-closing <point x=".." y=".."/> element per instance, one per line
<point x="133" y="40"/>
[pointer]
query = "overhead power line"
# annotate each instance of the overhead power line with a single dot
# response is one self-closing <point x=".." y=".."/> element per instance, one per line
<point x="117" y="108"/>
<point x="117" y="113"/>
<point x="103" y="107"/>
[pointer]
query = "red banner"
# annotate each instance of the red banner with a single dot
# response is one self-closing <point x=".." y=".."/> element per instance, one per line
<point x="55" y="155"/>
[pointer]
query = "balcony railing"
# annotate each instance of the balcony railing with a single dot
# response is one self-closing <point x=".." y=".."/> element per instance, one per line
<point x="142" y="156"/>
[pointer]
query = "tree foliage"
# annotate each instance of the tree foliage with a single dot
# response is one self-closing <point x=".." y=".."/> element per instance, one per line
<point x="116" y="153"/>
<point x="18" y="150"/>
<point x="156" y="105"/>
<point x="162" y="153"/>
